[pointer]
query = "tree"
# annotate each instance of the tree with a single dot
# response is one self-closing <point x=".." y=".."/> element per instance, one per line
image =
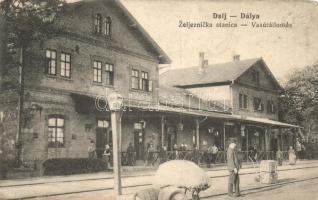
<point x="25" y="22"/>
<point x="300" y="100"/>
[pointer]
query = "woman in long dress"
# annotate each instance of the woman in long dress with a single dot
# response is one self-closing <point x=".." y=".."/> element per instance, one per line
<point x="291" y="156"/>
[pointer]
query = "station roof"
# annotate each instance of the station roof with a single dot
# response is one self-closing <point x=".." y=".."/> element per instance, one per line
<point x="214" y="74"/>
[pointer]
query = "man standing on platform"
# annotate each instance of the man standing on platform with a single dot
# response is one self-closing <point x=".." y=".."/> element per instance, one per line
<point x="233" y="166"/>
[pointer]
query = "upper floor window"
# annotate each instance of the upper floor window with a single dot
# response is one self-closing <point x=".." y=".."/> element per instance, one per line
<point x="146" y="84"/>
<point x="66" y="65"/>
<point x="256" y="76"/>
<point x="258" y="105"/>
<point x="56" y="128"/>
<point x="144" y="81"/>
<point x="135" y="79"/>
<point x="109" y="76"/>
<point x="50" y="62"/>
<point x="108" y="26"/>
<point x="97" y="71"/>
<point x="140" y="80"/>
<point x="243" y="101"/>
<point x="271" y="108"/>
<point x="98" y="23"/>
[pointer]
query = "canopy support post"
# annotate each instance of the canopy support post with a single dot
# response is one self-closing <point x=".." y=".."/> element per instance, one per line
<point x="224" y="137"/>
<point x="246" y="129"/>
<point x="162" y="131"/>
<point x="197" y="131"/>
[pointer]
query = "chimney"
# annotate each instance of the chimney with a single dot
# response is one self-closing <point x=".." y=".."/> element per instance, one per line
<point x="202" y="62"/>
<point x="236" y="57"/>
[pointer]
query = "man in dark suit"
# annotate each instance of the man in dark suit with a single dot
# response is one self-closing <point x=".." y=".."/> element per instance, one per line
<point x="233" y="166"/>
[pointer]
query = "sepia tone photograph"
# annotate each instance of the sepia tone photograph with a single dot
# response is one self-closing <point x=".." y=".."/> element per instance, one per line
<point x="158" y="99"/>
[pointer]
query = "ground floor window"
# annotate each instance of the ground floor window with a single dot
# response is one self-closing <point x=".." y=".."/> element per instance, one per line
<point x="56" y="128"/>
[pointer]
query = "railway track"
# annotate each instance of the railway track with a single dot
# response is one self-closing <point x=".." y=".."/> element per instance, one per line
<point x="145" y="185"/>
<point x="259" y="189"/>
<point x="131" y="176"/>
<point x="245" y="191"/>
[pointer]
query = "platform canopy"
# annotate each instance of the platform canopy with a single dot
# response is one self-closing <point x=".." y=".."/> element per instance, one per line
<point x="265" y="121"/>
<point x="86" y="102"/>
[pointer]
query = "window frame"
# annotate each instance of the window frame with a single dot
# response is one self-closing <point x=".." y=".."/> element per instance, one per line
<point x="104" y="122"/>
<point x="243" y="101"/>
<point x="98" y="23"/>
<point x="271" y="108"/>
<point x="109" y="74"/>
<point x="135" y="79"/>
<point x="144" y="81"/>
<point x="260" y="104"/>
<point x="53" y="143"/>
<point x="65" y="64"/>
<point x="98" y="70"/>
<point x="48" y="62"/>
<point x="108" y="26"/>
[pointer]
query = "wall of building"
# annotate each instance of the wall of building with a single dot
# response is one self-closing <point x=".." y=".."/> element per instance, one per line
<point x="266" y="89"/>
<point x="125" y="49"/>
<point x="251" y="93"/>
<point x="76" y="136"/>
<point x="35" y="132"/>
<point x="82" y="71"/>
<point x="79" y="19"/>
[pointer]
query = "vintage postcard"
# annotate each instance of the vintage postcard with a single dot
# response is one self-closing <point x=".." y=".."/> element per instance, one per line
<point x="158" y="99"/>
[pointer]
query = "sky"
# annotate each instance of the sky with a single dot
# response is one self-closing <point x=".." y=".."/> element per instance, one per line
<point x="283" y="49"/>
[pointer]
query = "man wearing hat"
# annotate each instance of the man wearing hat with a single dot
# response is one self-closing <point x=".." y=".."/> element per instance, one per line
<point x="233" y="166"/>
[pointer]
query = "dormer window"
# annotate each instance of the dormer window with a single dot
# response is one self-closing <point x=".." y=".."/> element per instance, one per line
<point x="108" y="26"/>
<point x="98" y="24"/>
